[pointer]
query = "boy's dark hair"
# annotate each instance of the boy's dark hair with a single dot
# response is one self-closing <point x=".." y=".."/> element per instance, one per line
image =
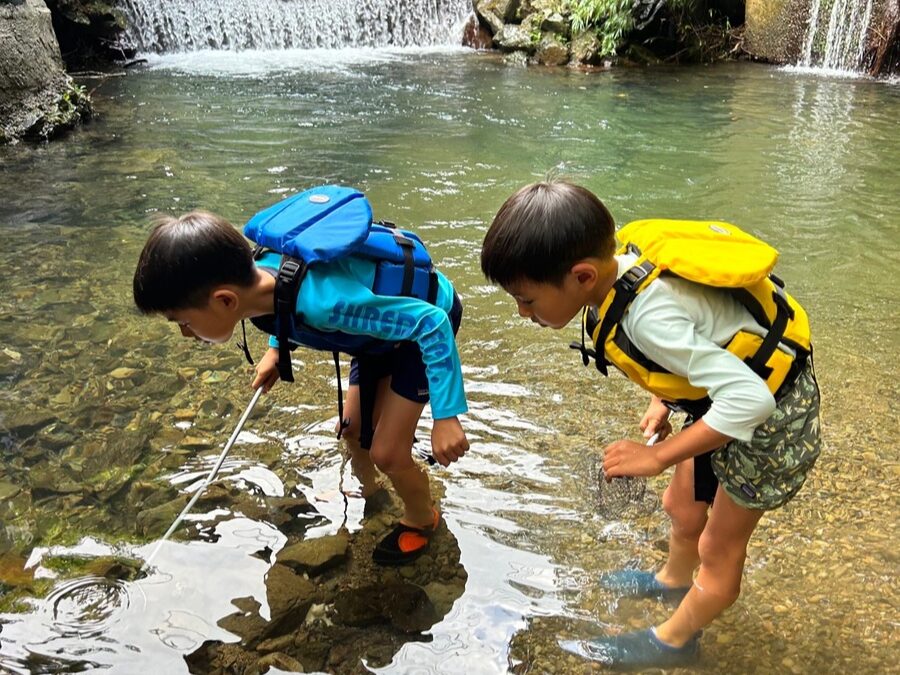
<point x="185" y="258"/>
<point x="544" y="229"/>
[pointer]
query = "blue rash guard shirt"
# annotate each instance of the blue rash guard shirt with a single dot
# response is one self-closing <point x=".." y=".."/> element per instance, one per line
<point x="337" y="296"/>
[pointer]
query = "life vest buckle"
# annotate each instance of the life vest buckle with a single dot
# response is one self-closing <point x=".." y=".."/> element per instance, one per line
<point x="405" y="242"/>
<point x="587" y="354"/>
<point x="779" y="297"/>
<point x="289" y="269"/>
<point x="634" y="276"/>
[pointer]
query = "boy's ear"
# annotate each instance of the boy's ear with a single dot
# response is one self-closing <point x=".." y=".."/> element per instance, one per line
<point x="224" y="298"/>
<point x="585" y="273"/>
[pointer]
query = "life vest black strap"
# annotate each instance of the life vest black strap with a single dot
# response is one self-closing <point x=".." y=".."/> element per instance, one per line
<point x="409" y="266"/>
<point x="625" y="288"/>
<point x="432" y="287"/>
<point x="368" y="392"/>
<point x="343" y="422"/>
<point x="287" y="285"/>
<point x="783" y="314"/>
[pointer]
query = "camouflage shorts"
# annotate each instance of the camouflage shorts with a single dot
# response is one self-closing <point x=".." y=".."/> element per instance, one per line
<point x="767" y="471"/>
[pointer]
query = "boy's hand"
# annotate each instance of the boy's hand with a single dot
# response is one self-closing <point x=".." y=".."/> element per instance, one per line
<point x="266" y="371"/>
<point x="448" y="441"/>
<point x="656" y="419"/>
<point x="627" y="458"/>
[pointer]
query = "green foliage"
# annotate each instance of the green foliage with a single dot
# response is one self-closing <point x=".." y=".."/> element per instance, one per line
<point x="71" y="106"/>
<point x="71" y="99"/>
<point x="611" y="19"/>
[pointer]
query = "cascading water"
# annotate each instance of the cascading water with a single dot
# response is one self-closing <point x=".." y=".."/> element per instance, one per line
<point x="187" y="25"/>
<point x="839" y="42"/>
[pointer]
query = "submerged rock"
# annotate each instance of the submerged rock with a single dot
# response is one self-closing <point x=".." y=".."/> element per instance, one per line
<point x="406" y="606"/>
<point x="282" y="662"/>
<point x="8" y="490"/>
<point x="23" y="423"/>
<point x="315" y="555"/>
<point x="289" y="596"/>
<point x="158" y="518"/>
<point x="352" y="610"/>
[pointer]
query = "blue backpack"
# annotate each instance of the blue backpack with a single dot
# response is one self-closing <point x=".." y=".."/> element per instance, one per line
<point x="324" y="224"/>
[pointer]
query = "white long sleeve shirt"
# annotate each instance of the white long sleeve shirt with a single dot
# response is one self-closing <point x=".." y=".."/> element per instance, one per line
<point x="683" y="327"/>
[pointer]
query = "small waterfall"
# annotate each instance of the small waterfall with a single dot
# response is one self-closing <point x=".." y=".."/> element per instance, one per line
<point x="840" y="43"/>
<point x="166" y="26"/>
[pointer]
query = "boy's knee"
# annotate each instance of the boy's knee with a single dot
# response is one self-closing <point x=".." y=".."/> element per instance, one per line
<point x="724" y="562"/>
<point x="688" y="517"/>
<point x="388" y="461"/>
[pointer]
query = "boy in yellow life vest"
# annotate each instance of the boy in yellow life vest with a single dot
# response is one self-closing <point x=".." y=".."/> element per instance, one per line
<point x="689" y="311"/>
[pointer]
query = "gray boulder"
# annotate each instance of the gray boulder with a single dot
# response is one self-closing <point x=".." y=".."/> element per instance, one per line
<point x="38" y="99"/>
<point x="551" y="51"/>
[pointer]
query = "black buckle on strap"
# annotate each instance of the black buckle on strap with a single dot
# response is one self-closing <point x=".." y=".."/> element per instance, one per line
<point x="406" y="242"/>
<point x="633" y="277"/>
<point x="289" y="270"/>
<point x="780" y="299"/>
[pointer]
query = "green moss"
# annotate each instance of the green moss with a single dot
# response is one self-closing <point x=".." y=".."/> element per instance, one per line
<point x="57" y="532"/>
<point x="66" y="565"/>
<point x="15" y="600"/>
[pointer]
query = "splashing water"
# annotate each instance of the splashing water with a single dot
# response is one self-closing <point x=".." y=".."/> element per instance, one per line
<point x="189" y="25"/>
<point x="839" y="45"/>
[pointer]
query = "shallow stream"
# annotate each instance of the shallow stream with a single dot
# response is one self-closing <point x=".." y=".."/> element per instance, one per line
<point x="102" y="410"/>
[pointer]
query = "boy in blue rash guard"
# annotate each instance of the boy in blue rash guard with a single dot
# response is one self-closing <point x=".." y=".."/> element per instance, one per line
<point x="198" y="271"/>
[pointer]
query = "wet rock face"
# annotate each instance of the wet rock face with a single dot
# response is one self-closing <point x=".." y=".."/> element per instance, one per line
<point x="775" y="29"/>
<point x="30" y="53"/>
<point x="90" y="32"/>
<point x="476" y="35"/>
<point x="882" y="56"/>
<point x="331" y="607"/>
<point x="37" y="98"/>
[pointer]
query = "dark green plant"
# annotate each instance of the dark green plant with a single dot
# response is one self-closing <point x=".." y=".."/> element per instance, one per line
<point x="611" y="19"/>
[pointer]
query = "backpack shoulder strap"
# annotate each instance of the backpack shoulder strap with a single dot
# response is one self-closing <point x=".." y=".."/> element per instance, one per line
<point x="287" y="286"/>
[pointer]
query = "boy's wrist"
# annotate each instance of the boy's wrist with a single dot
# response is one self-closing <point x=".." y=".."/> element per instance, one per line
<point x="693" y="441"/>
<point x="660" y="457"/>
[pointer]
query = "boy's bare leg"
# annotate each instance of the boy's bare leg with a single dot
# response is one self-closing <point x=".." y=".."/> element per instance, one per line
<point x="391" y="448"/>
<point x="688" y="520"/>
<point x="363" y="469"/>
<point x="360" y="460"/>
<point x="723" y="549"/>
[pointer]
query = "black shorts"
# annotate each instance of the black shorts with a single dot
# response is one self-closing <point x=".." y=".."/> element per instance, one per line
<point x="406" y="369"/>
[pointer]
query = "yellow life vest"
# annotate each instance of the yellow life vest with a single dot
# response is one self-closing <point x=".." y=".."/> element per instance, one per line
<point x="714" y="254"/>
